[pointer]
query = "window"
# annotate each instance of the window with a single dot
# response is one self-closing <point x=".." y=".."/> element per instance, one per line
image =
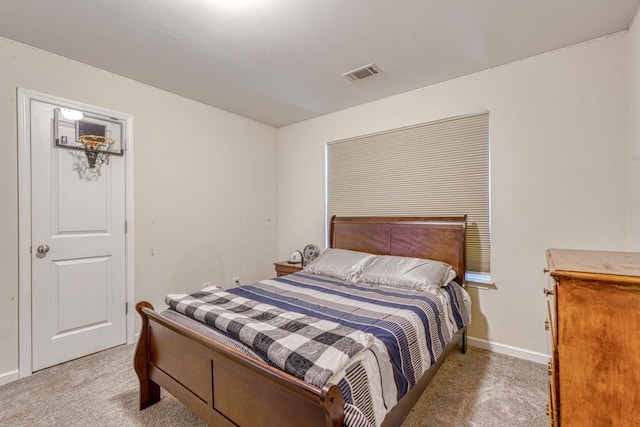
<point x="433" y="169"/>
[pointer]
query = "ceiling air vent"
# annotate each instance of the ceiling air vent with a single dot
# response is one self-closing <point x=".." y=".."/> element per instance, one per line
<point x="363" y="72"/>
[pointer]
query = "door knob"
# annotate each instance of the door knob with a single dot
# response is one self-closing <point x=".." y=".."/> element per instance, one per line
<point x="43" y="249"/>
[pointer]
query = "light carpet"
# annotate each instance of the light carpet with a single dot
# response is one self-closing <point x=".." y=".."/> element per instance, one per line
<point x="477" y="389"/>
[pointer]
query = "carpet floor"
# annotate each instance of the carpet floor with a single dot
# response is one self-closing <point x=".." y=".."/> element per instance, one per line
<point x="477" y="389"/>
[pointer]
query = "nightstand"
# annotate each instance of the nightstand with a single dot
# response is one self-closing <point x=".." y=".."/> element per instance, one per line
<point x="283" y="268"/>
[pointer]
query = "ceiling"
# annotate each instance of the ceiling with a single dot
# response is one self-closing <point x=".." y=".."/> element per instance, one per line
<point x="281" y="61"/>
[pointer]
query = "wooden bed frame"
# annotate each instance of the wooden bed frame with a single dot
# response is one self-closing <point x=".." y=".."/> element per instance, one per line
<point x="226" y="388"/>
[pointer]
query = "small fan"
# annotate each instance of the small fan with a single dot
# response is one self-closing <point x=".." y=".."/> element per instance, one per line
<point x="310" y="252"/>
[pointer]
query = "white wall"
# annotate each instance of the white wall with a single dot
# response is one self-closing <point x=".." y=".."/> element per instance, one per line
<point x="558" y="126"/>
<point x="633" y="49"/>
<point x="205" y="183"/>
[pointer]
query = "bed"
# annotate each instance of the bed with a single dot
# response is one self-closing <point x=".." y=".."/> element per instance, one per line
<point x="225" y="386"/>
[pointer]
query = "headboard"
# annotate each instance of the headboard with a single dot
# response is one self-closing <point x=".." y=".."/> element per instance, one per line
<point x="438" y="238"/>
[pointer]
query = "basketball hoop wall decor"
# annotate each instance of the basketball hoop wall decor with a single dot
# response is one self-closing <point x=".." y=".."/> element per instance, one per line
<point x="98" y="136"/>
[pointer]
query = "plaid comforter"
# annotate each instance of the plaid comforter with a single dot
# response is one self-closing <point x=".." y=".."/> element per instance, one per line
<point x="410" y="328"/>
<point x="309" y="348"/>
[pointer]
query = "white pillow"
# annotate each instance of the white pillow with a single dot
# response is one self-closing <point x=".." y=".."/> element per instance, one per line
<point x="407" y="273"/>
<point x="340" y="263"/>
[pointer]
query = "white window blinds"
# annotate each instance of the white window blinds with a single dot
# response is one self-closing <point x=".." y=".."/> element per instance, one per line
<point x="433" y="169"/>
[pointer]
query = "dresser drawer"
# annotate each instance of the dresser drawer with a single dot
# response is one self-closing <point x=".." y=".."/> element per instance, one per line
<point x="551" y="406"/>
<point x="550" y="326"/>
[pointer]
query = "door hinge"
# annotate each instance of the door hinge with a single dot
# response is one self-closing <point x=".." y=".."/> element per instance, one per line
<point x="126" y="226"/>
<point x="126" y="308"/>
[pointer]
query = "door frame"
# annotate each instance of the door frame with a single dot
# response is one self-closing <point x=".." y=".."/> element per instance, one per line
<point x="24" y="98"/>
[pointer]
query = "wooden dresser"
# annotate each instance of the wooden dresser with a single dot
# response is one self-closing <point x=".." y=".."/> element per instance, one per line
<point x="594" y="322"/>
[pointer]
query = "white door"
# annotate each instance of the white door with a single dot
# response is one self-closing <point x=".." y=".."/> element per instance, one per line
<point x="78" y="241"/>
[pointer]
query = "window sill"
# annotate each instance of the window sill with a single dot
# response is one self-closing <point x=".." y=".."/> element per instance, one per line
<point x="479" y="280"/>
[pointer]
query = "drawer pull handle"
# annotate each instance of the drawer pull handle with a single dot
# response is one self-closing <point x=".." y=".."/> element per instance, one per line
<point x="548" y="292"/>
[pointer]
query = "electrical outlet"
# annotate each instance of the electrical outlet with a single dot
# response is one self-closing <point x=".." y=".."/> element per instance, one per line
<point x="236" y="281"/>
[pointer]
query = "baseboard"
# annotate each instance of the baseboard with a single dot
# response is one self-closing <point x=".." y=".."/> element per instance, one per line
<point x="508" y="350"/>
<point x="8" y="377"/>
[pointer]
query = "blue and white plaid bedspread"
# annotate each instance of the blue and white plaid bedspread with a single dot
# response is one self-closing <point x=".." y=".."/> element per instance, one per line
<point x="410" y="328"/>
<point x="309" y="348"/>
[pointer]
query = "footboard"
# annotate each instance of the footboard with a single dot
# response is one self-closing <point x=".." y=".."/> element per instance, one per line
<point x="222" y="386"/>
